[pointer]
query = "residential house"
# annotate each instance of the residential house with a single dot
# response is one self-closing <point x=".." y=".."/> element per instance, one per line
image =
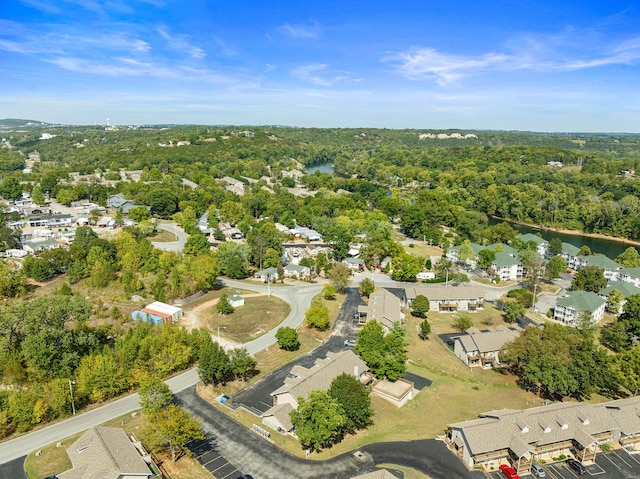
<point x="37" y="246"/>
<point x="627" y="289"/>
<point x="308" y="233"/>
<point x="446" y="299"/>
<point x="354" y="264"/>
<point x="569" y="308"/>
<point x="630" y="275"/>
<point x="106" y="222"/>
<point x="301" y="381"/>
<point x="507" y="267"/>
<point x="233" y="185"/>
<point x="482" y="348"/>
<point x="384" y="307"/>
<point x="610" y="268"/>
<point x="296" y="271"/>
<point x="452" y="254"/>
<point x="267" y="274"/>
<point x="542" y="245"/>
<point x="119" y="202"/>
<point x="51" y="221"/>
<point x="563" y="429"/>
<point x="570" y="254"/>
<point x="108" y="453"/>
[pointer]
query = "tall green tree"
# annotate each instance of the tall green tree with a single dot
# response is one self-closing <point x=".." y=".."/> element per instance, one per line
<point x="367" y="286"/>
<point x="242" y="364"/>
<point x="214" y="365"/>
<point x="339" y="277"/>
<point x="288" y="338"/>
<point x="420" y="306"/>
<point x="172" y="429"/>
<point x="355" y="401"/>
<point x="589" y="278"/>
<point x="630" y="258"/>
<point x="155" y="395"/>
<point x="318" y="420"/>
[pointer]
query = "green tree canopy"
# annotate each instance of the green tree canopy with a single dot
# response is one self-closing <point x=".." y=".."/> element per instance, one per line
<point x="420" y="306"/>
<point x="355" y="401"/>
<point x="318" y="421"/>
<point x="155" y="395"/>
<point x="214" y="366"/>
<point x="172" y="429"/>
<point x="589" y="278"/>
<point x="288" y="338"/>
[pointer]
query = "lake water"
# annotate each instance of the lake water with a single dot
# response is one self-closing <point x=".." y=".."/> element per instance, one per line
<point x="322" y="168"/>
<point x="597" y="245"/>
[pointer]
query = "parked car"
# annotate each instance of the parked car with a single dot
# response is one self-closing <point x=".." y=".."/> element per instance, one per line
<point x="576" y="466"/>
<point x="351" y="343"/>
<point x="537" y="470"/>
<point x="509" y="471"/>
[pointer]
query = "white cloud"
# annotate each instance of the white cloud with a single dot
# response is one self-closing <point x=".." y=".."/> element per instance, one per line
<point x="310" y="73"/>
<point x="566" y="52"/>
<point x="301" y="32"/>
<point x="181" y="43"/>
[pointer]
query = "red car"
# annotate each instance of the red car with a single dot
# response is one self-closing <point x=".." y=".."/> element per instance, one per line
<point x="510" y="472"/>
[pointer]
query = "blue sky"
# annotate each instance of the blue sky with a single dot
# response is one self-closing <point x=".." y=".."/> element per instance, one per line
<point x="502" y="64"/>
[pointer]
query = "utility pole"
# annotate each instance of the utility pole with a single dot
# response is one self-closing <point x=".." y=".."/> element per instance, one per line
<point x="73" y="404"/>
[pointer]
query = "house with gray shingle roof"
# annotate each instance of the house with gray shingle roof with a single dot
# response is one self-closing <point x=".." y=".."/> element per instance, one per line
<point x="296" y="271"/>
<point x="107" y="453"/>
<point x="482" y="348"/>
<point x="517" y="437"/>
<point x="569" y="308"/>
<point x="446" y="299"/>
<point x="301" y="381"/>
<point x="384" y="307"/>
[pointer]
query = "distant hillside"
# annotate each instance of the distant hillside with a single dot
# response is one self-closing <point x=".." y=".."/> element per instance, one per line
<point x="10" y="123"/>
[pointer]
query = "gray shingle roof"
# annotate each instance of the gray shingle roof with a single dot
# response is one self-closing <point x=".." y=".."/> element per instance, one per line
<point x="105" y="453"/>
<point x="321" y="374"/>
<point x="539" y="426"/>
<point x="384" y="307"/>
<point x="489" y="340"/>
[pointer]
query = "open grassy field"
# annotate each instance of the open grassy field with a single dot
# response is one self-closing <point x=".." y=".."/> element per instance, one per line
<point x="258" y="315"/>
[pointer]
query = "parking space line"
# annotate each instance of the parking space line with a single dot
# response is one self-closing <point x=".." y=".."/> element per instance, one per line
<point x="632" y="457"/>
<point x="606" y="456"/>
<point x="622" y="459"/>
<point x="595" y="466"/>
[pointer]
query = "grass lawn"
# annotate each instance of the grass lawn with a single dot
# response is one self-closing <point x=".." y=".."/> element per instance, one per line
<point x="422" y="250"/>
<point x="258" y="315"/>
<point x="53" y="459"/>
<point x="162" y="236"/>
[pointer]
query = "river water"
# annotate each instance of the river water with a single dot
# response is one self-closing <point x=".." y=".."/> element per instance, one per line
<point x="322" y="168"/>
<point x="597" y="245"/>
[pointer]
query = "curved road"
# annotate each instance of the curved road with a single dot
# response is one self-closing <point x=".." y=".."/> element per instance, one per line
<point x="298" y="298"/>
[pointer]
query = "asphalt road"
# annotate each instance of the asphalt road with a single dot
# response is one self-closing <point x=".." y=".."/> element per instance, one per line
<point x="171" y="245"/>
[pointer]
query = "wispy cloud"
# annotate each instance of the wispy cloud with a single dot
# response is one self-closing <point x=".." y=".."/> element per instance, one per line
<point x="180" y="42"/>
<point x="311" y="73"/>
<point x="301" y="32"/>
<point x="552" y="54"/>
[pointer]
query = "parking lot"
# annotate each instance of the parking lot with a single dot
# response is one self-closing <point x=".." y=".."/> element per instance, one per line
<point x="618" y="464"/>
<point x="206" y="454"/>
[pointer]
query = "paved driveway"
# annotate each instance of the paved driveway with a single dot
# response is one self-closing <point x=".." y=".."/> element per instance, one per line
<point x="13" y="469"/>
<point x="256" y="398"/>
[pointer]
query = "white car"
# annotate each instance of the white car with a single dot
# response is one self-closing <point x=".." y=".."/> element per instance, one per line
<point x="351" y="343"/>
